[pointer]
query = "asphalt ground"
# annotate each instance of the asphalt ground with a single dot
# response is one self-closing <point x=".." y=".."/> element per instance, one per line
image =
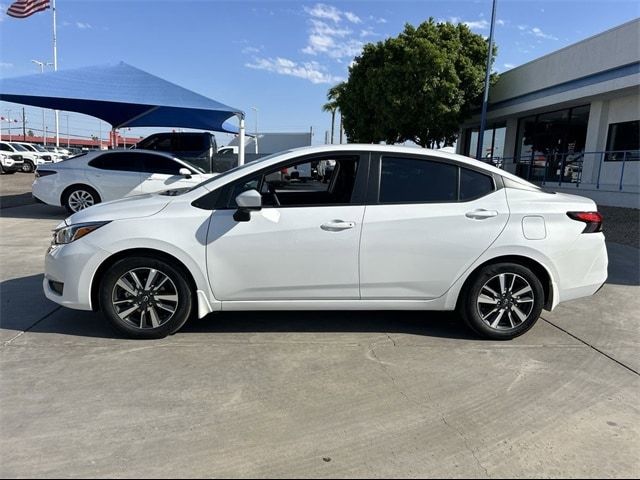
<point x="311" y="394"/>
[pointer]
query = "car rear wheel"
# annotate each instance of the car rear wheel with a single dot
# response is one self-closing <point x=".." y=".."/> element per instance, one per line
<point x="79" y="197"/>
<point x="145" y="298"/>
<point x="503" y="301"/>
<point x="28" y="167"/>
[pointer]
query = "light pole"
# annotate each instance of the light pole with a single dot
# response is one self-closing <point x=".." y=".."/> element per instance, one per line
<point x="256" y="137"/>
<point x="42" y="65"/>
<point x="487" y="77"/>
<point x="67" y="115"/>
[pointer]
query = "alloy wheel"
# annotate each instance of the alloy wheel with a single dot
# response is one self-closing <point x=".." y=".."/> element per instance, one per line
<point x="145" y="298"/>
<point x="80" y="199"/>
<point x="505" y="301"/>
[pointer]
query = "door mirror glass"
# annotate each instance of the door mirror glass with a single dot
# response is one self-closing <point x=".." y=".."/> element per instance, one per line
<point x="185" y="172"/>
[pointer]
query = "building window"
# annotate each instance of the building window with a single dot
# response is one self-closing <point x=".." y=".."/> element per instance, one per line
<point x="492" y="142"/>
<point x="623" y="141"/>
<point x="550" y="142"/>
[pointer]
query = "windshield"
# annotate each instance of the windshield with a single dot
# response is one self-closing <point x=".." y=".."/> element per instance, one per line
<point x="19" y="147"/>
<point x="39" y="148"/>
<point x="192" y="165"/>
<point x="240" y="168"/>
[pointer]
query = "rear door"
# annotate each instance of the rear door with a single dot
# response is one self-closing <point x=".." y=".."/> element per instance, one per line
<point x="115" y="175"/>
<point x="162" y="173"/>
<point x="426" y="222"/>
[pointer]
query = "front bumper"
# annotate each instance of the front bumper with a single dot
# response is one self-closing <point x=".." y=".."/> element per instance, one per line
<point x="73" y="265"/>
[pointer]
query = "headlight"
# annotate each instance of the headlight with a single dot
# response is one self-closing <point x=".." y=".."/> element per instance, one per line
<point x="71" y="233"/>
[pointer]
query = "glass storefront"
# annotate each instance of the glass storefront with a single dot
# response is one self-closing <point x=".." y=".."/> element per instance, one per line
<point x="492" y="143"/>
<point x="550" y="146"/>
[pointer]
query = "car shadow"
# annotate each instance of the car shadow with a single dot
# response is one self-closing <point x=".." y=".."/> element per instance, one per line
<point x="624" y="264"/>
<point x="23" y="307"/>
<point x="37" y="211"/>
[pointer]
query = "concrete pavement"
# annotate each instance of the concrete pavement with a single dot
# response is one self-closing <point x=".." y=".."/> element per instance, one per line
<point x="313" y="394"/>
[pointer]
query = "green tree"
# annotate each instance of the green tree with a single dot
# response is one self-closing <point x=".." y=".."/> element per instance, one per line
<point x="30" y="133"/>
<point x="332" y="105"/>
<point x="418" y="86"/>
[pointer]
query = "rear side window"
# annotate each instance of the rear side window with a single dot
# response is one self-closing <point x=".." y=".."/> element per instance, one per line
<point x="159" y="164"/>
<point x="410" y="180"/>
<point x="121" y="162"/>
<point x="474" y="184"/>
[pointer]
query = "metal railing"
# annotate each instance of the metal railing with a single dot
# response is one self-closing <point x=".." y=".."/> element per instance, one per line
<point x="568" y="168"/>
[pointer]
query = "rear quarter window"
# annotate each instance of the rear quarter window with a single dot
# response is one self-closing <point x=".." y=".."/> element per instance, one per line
<point x="474" y="184"/>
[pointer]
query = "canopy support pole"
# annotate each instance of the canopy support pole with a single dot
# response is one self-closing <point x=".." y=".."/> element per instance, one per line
<point x="241" y="140"/>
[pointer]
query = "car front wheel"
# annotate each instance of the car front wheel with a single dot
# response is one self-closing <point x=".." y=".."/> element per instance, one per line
<point x="28" y="167"/>
<point x="145" y="298"/>
<point x="503" y="301"/>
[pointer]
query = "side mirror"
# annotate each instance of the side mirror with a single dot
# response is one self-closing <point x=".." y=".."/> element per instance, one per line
<point x="247" y="201"/>
<point x="185" y="172"/>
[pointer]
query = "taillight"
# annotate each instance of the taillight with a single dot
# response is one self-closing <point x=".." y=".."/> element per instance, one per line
<point x="592" y="219"/>
<point x="44" y="173"/>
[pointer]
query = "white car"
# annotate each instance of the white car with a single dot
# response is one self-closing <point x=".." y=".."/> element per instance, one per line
<point x="10" y="164"/>
<point x="31" y="159"/>
<point x="100" y="176"/>
<point x="44" y="156"/>
<point x="393" y="228"/>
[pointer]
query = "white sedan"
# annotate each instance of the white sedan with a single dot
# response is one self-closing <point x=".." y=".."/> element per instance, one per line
<point x="90" y="178"/>
<point x="391" y="228"/>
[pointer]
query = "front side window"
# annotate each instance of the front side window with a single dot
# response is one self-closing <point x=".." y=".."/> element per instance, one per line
<point x="318" y="182"/>
<point x="410" y="180"/>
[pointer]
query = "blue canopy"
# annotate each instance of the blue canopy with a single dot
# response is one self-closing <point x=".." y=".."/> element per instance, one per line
<point x="121" y="95"/>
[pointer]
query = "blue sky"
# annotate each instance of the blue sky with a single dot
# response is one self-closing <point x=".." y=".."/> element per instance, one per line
<point x="279" y="57"/>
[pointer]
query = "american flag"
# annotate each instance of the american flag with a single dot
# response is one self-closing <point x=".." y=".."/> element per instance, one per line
<point x="25" y="8"/>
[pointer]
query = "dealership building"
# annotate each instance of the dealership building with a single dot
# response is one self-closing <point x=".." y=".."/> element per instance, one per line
<point x="570" y="120"/>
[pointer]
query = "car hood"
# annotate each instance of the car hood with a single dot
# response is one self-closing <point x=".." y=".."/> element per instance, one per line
<point x="131" y="207"/>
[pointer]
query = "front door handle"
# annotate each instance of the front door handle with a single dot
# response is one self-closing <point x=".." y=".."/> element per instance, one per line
<point x="337" y="225"/>
<point x="481" y="214"/>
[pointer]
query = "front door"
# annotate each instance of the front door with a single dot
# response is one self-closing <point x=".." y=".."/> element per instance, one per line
<point x="115" y="175"/>
<point x="302" y="245"/>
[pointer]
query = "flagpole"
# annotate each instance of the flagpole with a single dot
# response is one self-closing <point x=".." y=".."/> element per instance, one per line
<point x="55" y="67"/>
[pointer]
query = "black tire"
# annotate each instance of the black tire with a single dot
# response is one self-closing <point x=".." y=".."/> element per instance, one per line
<point x="28" y="166"/>
<point x="502" y="320"/>
<point x="141" y="325"/>
<point x="10" y="172"/>
<point x="82" y="190"/>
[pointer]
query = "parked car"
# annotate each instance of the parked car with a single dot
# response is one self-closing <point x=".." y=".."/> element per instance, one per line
<point x="198" y="148"/>
<point x="31" y="160"/>
<point x="100" y="176"/>
<point x="44" y="155"/>
<point x="59" y="152"/>
<point x="10" y="164"/>
<point x="394" y="228"/>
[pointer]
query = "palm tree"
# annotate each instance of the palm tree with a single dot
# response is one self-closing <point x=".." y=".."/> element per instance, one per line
<point x="331" y="106"/>
<point x="333" y="95"/>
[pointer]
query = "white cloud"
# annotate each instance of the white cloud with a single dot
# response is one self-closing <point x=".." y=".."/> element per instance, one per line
<point x="6" y="65"/>
<point x="352" y="17"/>
<point x="509" y="65"/>
<point x="247" y="50"/>
<point x="539" y="33"/>
<point x="83" y="26"/>
<point x="320" y="10"/>
<point x="311" y="71"/>
<point x="478" y="24"/>
<point x="332" y="41"/>
<point x="500" y="22"/>
<point x="368" y="32"/>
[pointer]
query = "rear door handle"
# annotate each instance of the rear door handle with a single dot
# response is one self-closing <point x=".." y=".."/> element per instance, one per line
<point x="481" y="214"/>
<point x="337" y="225"/>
